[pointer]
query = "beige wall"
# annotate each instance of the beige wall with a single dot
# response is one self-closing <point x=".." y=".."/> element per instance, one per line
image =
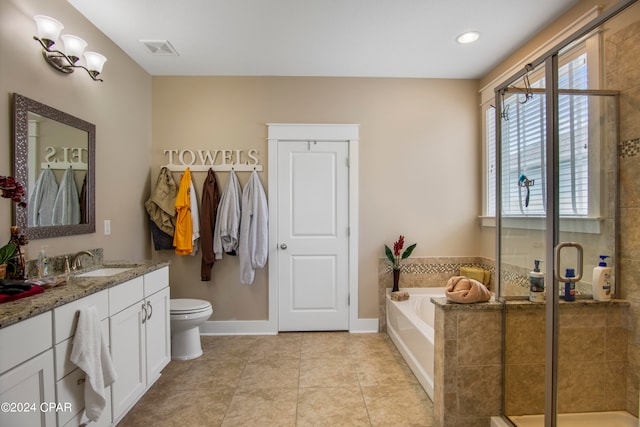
<point x="554" y="28"/>
<point x="415" y="135"/>
<point x="419" y="164"/>
<point x="119" y="107"/>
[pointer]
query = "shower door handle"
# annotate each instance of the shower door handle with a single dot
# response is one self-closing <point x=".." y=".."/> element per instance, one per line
<point x="556" y="266"/>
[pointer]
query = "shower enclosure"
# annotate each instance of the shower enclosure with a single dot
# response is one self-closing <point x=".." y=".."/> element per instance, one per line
<point x="557" y="132"/>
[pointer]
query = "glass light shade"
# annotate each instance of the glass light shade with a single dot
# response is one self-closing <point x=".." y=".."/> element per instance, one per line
<point x="48" y="28"/>
<point x="73" y="46"/>
<point x="95" y="61"/>
<point x="469" y="37"/>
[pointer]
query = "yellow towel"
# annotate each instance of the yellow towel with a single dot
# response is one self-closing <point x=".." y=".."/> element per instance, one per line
<point x="476" y="273"/>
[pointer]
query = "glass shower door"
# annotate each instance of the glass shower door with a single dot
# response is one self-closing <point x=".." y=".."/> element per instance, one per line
<point x="587" y="371"/>
<point x="522" y="240"/>
<point x="557" y="214"/>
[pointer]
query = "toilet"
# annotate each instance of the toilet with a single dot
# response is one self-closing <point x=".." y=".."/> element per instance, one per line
<point x="186" y="317"/>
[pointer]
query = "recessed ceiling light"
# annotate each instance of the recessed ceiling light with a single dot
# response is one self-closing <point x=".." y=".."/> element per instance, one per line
<point x="468" y="37"/>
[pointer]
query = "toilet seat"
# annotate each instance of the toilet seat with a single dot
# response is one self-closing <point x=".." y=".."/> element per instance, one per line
<point x="188" y="306"/>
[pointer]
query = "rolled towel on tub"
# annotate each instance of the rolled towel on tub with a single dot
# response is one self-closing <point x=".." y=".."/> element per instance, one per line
<point x="464" y="290"/>
<point x="399" y="296"/>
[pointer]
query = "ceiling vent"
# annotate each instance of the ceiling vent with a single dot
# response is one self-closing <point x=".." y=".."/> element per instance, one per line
<point x="159" y="47"/>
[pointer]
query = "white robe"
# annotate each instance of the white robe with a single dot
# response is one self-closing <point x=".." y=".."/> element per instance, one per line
<point x="254" y="231"/>
<point x="227" y="229"/>
<point x="44" y="196"/>
<point x="66" y="208"/>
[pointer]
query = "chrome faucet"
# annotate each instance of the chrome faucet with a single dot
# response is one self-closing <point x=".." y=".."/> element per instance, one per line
<point x="75" y="261"/>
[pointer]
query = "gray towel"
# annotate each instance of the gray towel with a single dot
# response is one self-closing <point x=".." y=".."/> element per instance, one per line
<point x="40" y="209"/>
<point x="227" y="229"/>
<point x="66" y="208"/>
<point x="254" y="231"/>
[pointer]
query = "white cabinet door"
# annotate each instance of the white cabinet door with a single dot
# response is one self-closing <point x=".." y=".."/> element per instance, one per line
<point x="158" y="334"/>
<point x="25" y="388"/>
<point x="128" y="343"/>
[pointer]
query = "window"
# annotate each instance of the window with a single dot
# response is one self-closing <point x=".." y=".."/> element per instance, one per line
<point x="524" y="144"/>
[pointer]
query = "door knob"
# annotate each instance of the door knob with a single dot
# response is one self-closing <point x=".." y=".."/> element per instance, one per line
<point x="283" y="246"/>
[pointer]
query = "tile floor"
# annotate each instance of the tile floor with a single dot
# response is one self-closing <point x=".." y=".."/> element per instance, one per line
<point x="290" y="379"/>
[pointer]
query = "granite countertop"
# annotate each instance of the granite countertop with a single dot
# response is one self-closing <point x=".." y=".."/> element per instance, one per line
<point x="520" y="303"/>
<point x="524" y="303"/>
<point x="448" y="305"/>
<point x="75" y="288"/>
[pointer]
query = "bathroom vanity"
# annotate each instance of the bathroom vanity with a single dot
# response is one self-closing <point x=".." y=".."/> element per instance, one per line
<point x="39" y="386"/>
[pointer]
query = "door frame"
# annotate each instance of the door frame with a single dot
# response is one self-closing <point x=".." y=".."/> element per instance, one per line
<point x="349" y="133"/>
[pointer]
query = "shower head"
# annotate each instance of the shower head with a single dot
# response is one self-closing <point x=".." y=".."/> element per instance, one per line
<point x="525" y="182"/>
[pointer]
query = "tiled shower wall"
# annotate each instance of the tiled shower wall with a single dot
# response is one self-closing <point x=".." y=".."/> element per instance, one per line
<point x="469" y="359"/>
<point x="622" y="50"/>
<point x="593" y="338"/>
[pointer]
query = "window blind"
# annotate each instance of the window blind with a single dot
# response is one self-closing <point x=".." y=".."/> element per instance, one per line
<point x="524" y="145"/>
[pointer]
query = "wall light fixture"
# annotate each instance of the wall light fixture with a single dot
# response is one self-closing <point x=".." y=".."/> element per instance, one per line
<point x="48" y="32"/>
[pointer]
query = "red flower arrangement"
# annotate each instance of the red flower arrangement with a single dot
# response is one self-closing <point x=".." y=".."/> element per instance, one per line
<point x="12" y="189"/>
<point x="11" y="258"/>
<point x="396" y="255"/>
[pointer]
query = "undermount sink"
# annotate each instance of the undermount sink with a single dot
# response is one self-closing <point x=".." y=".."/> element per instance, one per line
<point x="104" y="272"/>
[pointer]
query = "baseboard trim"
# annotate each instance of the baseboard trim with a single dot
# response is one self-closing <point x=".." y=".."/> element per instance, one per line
<point x="265" y="327"/>
<point x="239" y="327"/>
<point x="364" y="326"/>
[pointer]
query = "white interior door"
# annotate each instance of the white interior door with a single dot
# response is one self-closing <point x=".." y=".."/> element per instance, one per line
<point x="313" y="235"/>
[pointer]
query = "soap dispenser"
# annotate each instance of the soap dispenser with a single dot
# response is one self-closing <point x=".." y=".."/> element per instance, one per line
<point x="43" y="263"/>
<point x="536" y="283"/>
<point x="601" y="283"/>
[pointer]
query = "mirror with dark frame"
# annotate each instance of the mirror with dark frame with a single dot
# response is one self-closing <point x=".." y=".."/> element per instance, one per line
<point x="54" y="158"/>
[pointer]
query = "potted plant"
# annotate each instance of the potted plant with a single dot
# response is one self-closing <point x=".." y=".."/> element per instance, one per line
<point x="11" y="189"/>
<point x="395" y="256"/>
<point x="7" y="254"/>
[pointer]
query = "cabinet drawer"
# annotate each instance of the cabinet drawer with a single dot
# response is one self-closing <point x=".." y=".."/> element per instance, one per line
<point x="104" y="420"/>
<point x="63" y="352"/>
<point x="155" y="281"/>
<point x="125" y="294"/>
<point x="70" y="392"/>
<point x="65" y="317"/>
<point x="34" y="336"/>
<point x="31" y="382"/>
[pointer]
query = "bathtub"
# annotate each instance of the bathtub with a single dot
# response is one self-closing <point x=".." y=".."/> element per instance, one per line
<point x="586" y="419"/>
<point x="410" y="326"/>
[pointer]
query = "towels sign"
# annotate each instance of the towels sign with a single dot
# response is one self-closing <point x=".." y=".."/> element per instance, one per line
<point x="65" y="157"/>
<point x="69" y="154"/>
<point x="222" y="160"/>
